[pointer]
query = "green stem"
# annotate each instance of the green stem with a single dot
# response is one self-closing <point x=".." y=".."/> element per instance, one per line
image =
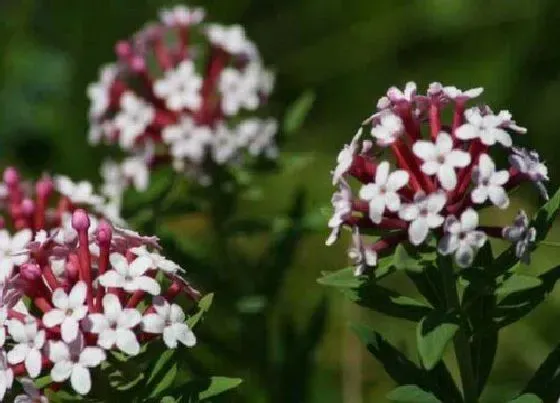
<point x="461" y="341"/>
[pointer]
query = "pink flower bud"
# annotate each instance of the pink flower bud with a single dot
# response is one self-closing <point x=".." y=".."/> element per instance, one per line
<point x="80" y="220"/>
<point x="30" y="271"/>
<point x="11" y="176"/>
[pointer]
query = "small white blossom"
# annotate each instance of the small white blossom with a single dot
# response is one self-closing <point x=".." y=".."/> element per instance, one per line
<point x="11" y="251"/>
<point x="28" y="344"/>
<point x="521" y="235"/>
<point x="342" y="204"/>
<point x="361" y="256"/>
<point x="239" y="89"/>
<point x="182" y="15"/>
<point x="528" y="163"/>
<point x="68" y="311"/>
<point x="78" y="192"/>
<point x="345" y="158"/>
<point x="157" y="260"/>
<point x="73" y="361"/>
<point x="130" y="276"/>
<point x="487" y="128"/>
<point x="99" y="92"/>
<point x="133" y="118"/>
<point x="224" y="145"/>
<point x="423" y="215"/>
<point x="388" y="129"/>
<point x="441" y="159"/>
<point x="396" y="95"/>
<point x="32" y="394"/>
<point x="6" y="375"/>
<point x="461" y="238"/>
<point x="263" y="142"/>
<point x="489" y="183"/>
<point x="509" y="123"/>
<point x="232" y="39"/>
<point x="180" y="87"/>
<point x="382" y="194"/>
<point x="169" y="320"/>
<point x="186" y="140"/>
<point x="114" y="326"/>
<point x="457" y="94"/>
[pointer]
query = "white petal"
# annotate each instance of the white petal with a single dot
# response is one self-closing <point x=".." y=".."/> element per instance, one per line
<point x="503" y="137"/>
<point x="69" y="329"/>
<point x="444" y="143"/>
<point x="448" y="244"/>
<point x="61" y="371"/>
<point x="53" y="317"/>
<point x="111" y="307"/>
<point x="107" y="339"/>
<point x="447" y="177"/>
<point x="479" y="194"/>
<point x="476" y="239"/>
<point x="129" y="318"/>
<point x="33" y="363"/>
<point x="458" y="158"/>
<point x="111" y="279"/>
<point x="430" y="167"/>
<point x="376" y="209"/>
<point x="21" y="239"/>
<point x="60" y="299"/>
<point x="17" y="331"/>
<point x="80" y="379"/>
<point x="119" y="263"/>
<point x="79" y="313"/>
<point x="77" y="295"/>
<point x="418" y="231"/>
<point x="92" y="357"/>
<point x="500" y="178"/>
<point x="58" y="351"/>
<point x="408" y="212"/>
<point x="469" y="220"/>
<point x="434" y="220"/>
<point x="425" y="150"/>
<point x="397" y="180"/>
<point x="18" y="353"/>
<point x="368" y="192"/>
<point x="467" y="132"/>
<point x="153" y="323"/>
<point x="184" y="334"/>
<point x="498" y="196"/>
<point x="392" y="201"/>
<point x="169" y="337"/>
<point x="139" y="266"/>
<point x="464" y="256"/>
<point x="382" y="173"/>
<point x="436" y="201"/>
<point x="127" y="343"/>
<point x="144" y="283"/>
<point x="176" y="314"/>
<point x="486" y="166"/>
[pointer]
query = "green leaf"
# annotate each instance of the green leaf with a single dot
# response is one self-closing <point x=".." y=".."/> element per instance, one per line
<point x="203" y="306"/>
<point x="527" y="398"/>
<point x="344" y="278"/>
<point x="403" y="260"/>
<point x="297" y="112"/>
<point x="218" y="385"/>
<point x="433" y="334"/>
<point x="546" y="216"/>
<point x="516" y="283"/>
<point x="411" y="394"/>
<point x="166" y="381"/>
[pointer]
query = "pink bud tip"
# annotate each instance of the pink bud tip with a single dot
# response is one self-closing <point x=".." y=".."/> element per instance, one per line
<point x="11" y="176"/>
<point x="123" y="49"/>
<point x="27" y="207"/>
<point x="80" y="220"/>
<point x="30" y="271"/>
<point x="104" y="233"/>
<point x="44" y="187"/>
<point x="138" y="64"/>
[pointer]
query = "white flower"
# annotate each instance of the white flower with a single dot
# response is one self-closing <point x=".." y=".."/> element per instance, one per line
<point x="388" y="129"/>
<point x="169" y="320"/>
<point x="489" y="183"/>
<point x="396" y="95"/>
<point x="528" y="163"/>
<point x="345" y="158"/>
<point x="28" y="344"/>
<point x="232" y="39"/>
<point x="133" y="118"/>
<point x="78" y="192"/>
<point x="11" y="249"/>
<point x="99" y="92"/>
<point x="441" y="159"/>
<point x="521" y="235"/>
<point x="239" y="89"/>
<point x="182" y="15"/>
<point x="180" y="88"/>
<point x="115" y="325"/>
<point x="487" y="128"/>
<point x="130" y="276"/>
<point x="509" y="123"/>
<point x="361" y="256"/>
<point x="6" y="375"/>
<point x="383" y="194"/>
<point x="457" y="94"/>
<point x="462" y="238"/>
<point x="32" y="394"/>
<point x="224" y="145"/>
<point x="157" y="260"/>
<point x="73" y="361"/>
<point x="264" y="139"/>
<point x="342" y="204"/>
<point x="423" y="214"/>
<point x="186" y="140"/>
<point x="114" y="182"/>
<point x="136" y="170"/>
<point x="68" y="311"/>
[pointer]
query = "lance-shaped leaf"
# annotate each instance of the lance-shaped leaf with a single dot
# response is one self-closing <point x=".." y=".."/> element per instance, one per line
<point x="527" y="398"/>
<point x="433" y="333"/>
<point x="516" y="283"/>
<point x="411" y="394"/>
<point x="297" y="112"/>
<point x="546" y="380"/>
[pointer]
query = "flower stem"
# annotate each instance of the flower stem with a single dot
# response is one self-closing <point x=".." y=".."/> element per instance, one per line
<point x="461" y="341"/>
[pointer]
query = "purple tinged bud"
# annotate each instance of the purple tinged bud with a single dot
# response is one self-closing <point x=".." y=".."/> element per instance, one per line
<point x="27" y="207"/>
<point x="104" y="233"/>
<point x="30" y="271"/>
<point x="44" y="187"/>
<point x="80" y="220"/>
<point x="11" y="176"/>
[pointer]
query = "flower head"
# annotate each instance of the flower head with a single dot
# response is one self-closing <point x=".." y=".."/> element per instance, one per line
<point x="522" y="235"/>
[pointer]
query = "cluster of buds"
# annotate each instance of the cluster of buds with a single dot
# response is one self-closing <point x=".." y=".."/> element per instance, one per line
<point x="73" y="287"/>
<point x="182" y="92"/>
<point x="444" y="174"/>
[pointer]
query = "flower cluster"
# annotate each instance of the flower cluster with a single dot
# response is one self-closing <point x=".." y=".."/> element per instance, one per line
<point x="444" y="173"/>
<point x="88" y="286"/>
<point x="180" y="92"/>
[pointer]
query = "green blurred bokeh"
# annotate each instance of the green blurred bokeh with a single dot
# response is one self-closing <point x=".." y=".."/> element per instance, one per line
<point x="348" y="52"/>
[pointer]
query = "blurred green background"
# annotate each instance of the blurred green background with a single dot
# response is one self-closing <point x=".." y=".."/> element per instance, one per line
<point x="348" y="52"/>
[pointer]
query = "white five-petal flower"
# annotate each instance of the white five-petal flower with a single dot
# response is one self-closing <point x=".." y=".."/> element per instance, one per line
<point x="99" y="92"/>
<point x="232" y="39"/>
<point x="382" y="194"/>
<point x="68" y="311"/>
<point x="345" y="158"/>
<point x="342" y="204"/>
<point x="388" y="129"/>
<point x="169" y="320"/>
<point x="73" y="361"/>
<point x="441" y="159"/>
<point x="423" y="215"/>
<point x="28" y="344"/>
<point x="10" y="251"/>
<point x="158" y="261"/>
<point x="130" y="276"/>
<point x="489" y="183"/>
<point x="462" y="238"/>
<point x="487" y="128"/>
<point x="114" y="326"/>
<point x="521" y="235"/>
<point x="180" y="87"/>
<point x="396" y="95"/>
<point x="239" y="88"/>
<point x="529" y="163"/>
<point x="133" y="118"/>
<point x="78" y="192"/>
